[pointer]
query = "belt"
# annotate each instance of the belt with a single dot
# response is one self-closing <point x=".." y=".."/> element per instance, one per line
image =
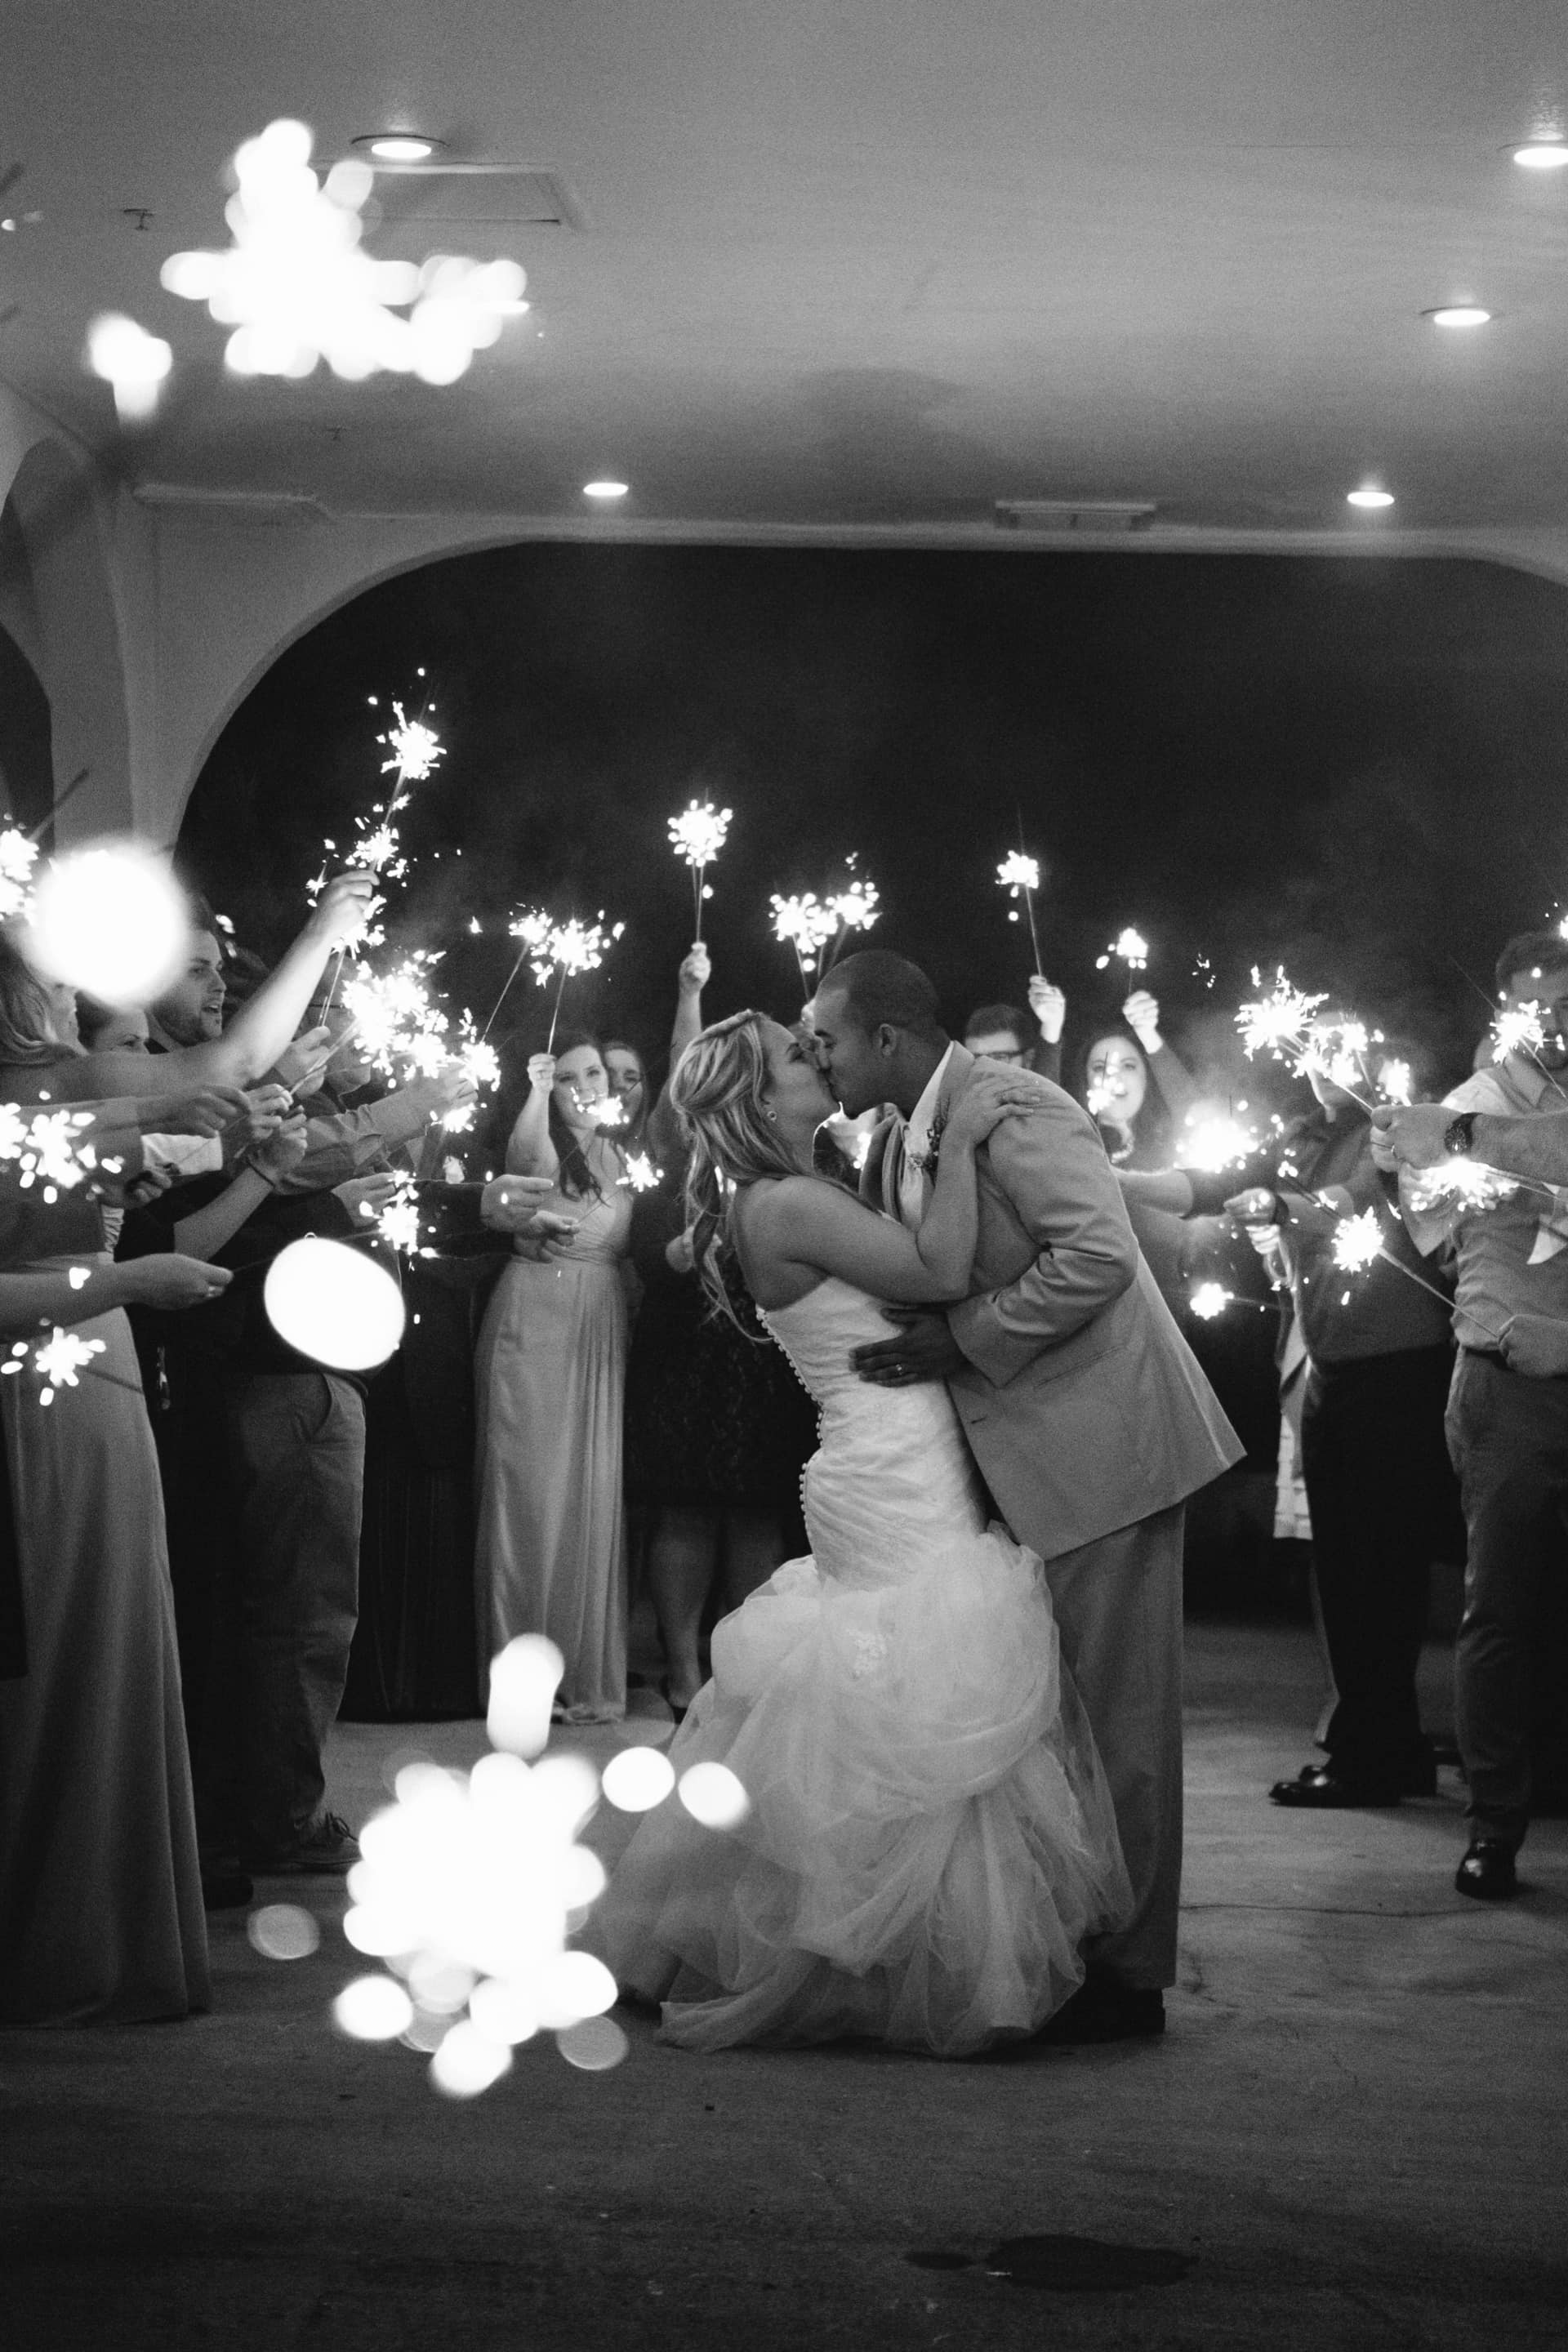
<point x="1487" y="1356"/>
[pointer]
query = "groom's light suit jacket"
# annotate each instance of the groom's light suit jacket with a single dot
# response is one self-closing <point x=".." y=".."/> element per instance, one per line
<point x="1082" y="1404"/>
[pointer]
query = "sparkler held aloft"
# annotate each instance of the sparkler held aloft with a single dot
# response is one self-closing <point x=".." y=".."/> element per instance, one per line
<point x="698" y="835"/>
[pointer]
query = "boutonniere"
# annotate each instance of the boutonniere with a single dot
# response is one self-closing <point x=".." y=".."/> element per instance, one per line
<point x="925" y="1162"/>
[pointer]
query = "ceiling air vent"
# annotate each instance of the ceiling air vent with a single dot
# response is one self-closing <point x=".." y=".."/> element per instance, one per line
<point x="1075" y="514"/>
<point x="476" y="195"/>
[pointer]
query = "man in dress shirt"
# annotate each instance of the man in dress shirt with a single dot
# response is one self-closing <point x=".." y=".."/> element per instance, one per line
<point x="1507" y="1410"/>
<point x="1083" y="1406"/>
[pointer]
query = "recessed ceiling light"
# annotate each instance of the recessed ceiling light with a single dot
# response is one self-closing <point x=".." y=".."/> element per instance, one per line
<point x="398" y="146"/>
<point x="1458" y="314"/>
<point x="1369" y="497"/>
<point x="605" y="489"/>
<point x="1542" y="155"/>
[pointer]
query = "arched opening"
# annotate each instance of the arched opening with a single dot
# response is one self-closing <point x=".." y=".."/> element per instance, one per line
<point x="27" y="758"/>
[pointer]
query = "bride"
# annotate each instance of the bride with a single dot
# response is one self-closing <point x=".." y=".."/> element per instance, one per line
<point x="929" y="1838"/>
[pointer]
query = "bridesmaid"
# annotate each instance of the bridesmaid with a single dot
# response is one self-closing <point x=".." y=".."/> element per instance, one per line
<point x="550" y="1373"/>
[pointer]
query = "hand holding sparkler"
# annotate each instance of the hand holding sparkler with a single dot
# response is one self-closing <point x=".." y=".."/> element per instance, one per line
<point x="345" y="908"/>
<point x="280" y="1152"/>
<point x="1141" y="1015"/>
<point x="1049" y="1007"/>
<point x="1410" y="1135"/>
<point x="364" y="1197"/>
<point x="1535" y="1345"/>
<point x="541" y="1071"/>
<point x="696" y="971"/>
<point x="169" y="1281"/>
<point x="301" y="1065"/>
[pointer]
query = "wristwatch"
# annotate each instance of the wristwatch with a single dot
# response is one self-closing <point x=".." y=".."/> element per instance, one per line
<point x="1459" y="1135"/>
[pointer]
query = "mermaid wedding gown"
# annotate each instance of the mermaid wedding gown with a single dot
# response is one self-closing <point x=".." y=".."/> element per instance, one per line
<point x="930" y="1837"/>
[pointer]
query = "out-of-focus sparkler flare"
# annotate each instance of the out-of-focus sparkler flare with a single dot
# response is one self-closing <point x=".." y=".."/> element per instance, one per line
<point x="111" y="920"/>
<point x="638" y="1779"/>
<point x="45" y="1146"/>
<point x="333" y="1304"/>
<point x="804" y="924"/>
<point x="1017" y="873"/>
<point x="1209" y="1299"/>
<point x="1395" y="1081"/>
<point x="57" y="1361"/>
<point x="1130" y="946"/>
<point x="1215" y="1140"/>
<point x="297" y="287"/>
<point x="1458" y="1183"/>
<point x="134" y="364"/>
<point x="641" y="1175"/>
<point x="17" y="857"/>
<point x="1358" y="1240"/>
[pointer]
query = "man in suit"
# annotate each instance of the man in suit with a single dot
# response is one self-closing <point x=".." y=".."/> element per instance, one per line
<point x="1086" y="1411"/>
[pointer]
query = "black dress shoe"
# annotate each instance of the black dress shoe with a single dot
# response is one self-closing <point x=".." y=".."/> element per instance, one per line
<point x="1100" y="2011"/>
<point x="1319" y="1787"/>
<point x="1487" y="1872"/>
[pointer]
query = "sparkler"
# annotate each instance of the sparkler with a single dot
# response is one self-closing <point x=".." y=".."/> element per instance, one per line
<point x="1396" y="1082"/>
<point x="397" y="1223"/>
<point x="1518" y="1029"/>
<point x="1217" y="1141"/>
<point x="395" y="1019"/>
<point x="1019" y="876"/>
<point x="697" y="835"/>
<point x="1358" y="1242"/>
<point x="853" y="909"/>
<point x="470" y="1885"/>
<point x="1131" y="947"/>
<point x="414" y="747"/>
<point x="480" y="1065"/>
<point x="1462" y="1184"/>
<point x="47" y="1149"/>
<point x="1209" y="1299"/>
<point x="1282" y="1018"/>
<point x="805" y="925"/>
<point x="641" y="1175"/>
<point x="57" y="1361"/>
<point x="17" y="857"/>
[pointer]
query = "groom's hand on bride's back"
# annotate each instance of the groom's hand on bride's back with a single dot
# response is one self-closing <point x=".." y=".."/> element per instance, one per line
<point x="922" y="1349"/>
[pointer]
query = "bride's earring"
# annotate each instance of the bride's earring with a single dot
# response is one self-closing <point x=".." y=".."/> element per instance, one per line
<point x="770" y="1114"/>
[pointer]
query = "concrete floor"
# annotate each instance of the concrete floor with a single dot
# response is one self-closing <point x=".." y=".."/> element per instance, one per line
<point x="1355" y="2129"/>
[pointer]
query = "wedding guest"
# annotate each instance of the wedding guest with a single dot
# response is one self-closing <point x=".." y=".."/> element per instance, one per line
<point x="550" y="1552"/>
<point x="1508" y="1414"/>
<point x="100" y="1895"/>
<point x="1001" y="1033"/>
<point x="1138" y="1093"/>
<point x="627" y="1074"/>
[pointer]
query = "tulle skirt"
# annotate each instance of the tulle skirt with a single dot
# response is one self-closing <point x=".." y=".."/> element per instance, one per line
<point x="929" y="1839"/>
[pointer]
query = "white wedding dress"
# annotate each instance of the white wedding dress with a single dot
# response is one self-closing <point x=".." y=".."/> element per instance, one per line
<point x="930" y="1837"/>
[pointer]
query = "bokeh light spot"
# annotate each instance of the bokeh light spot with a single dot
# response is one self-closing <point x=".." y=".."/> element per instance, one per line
<point x="373" y="2009"/>
<point x="468" y="2062"/>
<point x="332" y="1304"/>
<point x="638" y="1779"/>
<point x="712" y="1795"/>
<point x="281" y="1931"/>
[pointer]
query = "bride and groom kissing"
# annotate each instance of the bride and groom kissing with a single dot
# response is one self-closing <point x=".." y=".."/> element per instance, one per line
<point x="958" y="1720"/>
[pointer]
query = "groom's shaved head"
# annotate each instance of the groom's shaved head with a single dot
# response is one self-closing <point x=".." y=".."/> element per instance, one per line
<point x="876" y="987"/>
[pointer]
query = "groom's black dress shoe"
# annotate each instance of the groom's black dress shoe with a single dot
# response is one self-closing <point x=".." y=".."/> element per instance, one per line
<point x="1317" y="1788"/>
<point x="1100" y="2011"/>
<point x="1487" y="1872"/>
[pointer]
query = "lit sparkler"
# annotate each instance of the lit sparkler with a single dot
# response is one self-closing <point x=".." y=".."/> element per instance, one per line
<point x="1131" y="947"/>
<point x="296" y="286"/>
<point x="1019" y="876"/>
<point x="57" y="1361"/>
<point x="413" y="748"/>
<point x="480" y="1065"/>
<point x="1358" y="1240"/>
<point x="1209" y="1299"/>
<point x="1281" y="1019"/>
<point x="470" y="1885"/>
<point x="46" y="1147"/>
<point x="641" y="1175"/>
<point x="804" y="924"/>
<point x="1461" y="1185"/>
<point x="1395" y="1081"/>
<point x="397" y="1223"/>
<point x="1518" y="1029"/>
<point x="853" y="909"/>
<point x="1216" y="1141"/>
<point x="17" y="858"/>
<point x="697" y="835"/>
<point x="398" y="1025"/>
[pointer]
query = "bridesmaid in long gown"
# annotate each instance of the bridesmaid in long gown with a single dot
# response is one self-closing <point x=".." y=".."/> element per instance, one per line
<point x="550" y="1374"/>
<point x="100" y="1895"/>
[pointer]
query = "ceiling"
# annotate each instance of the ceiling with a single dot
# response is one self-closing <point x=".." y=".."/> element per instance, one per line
<point x="851" y="261"/>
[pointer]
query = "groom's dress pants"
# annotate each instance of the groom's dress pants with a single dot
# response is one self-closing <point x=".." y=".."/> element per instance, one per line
<point x="1118" y="1606"/>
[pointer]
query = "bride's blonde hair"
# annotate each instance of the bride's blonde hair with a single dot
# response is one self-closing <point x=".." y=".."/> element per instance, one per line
<point x="718" y="1091"/>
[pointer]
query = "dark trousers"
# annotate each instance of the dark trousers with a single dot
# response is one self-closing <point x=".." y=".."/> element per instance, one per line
<point x="286" y="1612"/>
<point x="1379" y="1487"/>
<point x="1509" y="1437"/>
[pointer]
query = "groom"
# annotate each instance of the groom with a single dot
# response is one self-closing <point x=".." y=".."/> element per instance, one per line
<point x="1083" y="1405"/>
